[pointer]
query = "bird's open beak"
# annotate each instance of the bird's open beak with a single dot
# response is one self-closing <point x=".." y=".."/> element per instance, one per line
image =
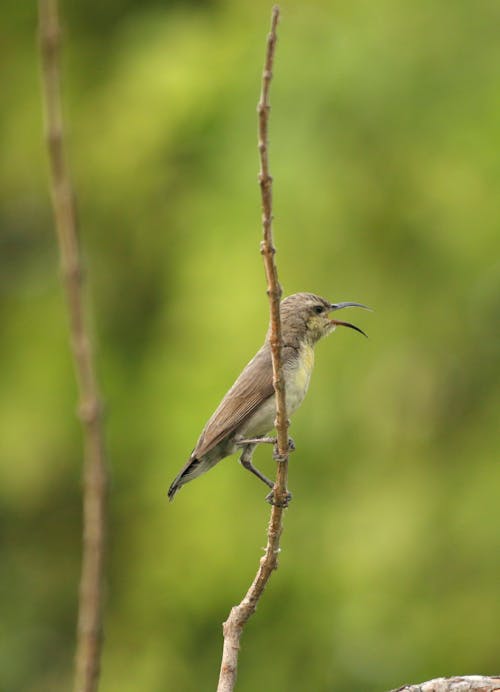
<point x="339" y="306"/>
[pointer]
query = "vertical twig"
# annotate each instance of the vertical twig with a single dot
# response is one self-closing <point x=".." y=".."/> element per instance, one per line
<point x="239" y="615"/>
<point x="90" y="413"/>
<point x="268" y="251"/>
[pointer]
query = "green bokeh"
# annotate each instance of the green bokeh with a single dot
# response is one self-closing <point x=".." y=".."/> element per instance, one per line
<point x="384" y="149"/>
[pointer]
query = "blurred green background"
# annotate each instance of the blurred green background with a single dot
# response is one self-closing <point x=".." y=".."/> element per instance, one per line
<point x="385" y="141"/>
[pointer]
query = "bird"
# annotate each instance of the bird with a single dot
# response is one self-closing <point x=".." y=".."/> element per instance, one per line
<point x="247" y="412"/>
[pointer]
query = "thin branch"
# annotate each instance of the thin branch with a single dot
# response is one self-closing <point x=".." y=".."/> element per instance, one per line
<point x="240" y="614"/>
<point x="468" y="683"/>
<point x="268" y="251"/>
<point x="90" y="411"/>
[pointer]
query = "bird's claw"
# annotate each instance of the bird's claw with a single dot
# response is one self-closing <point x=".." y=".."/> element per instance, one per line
<point x="283" y="503"/>
<point x="282" y="457"/>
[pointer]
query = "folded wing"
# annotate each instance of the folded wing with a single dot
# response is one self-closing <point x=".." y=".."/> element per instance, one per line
<point x="251" y="389"/>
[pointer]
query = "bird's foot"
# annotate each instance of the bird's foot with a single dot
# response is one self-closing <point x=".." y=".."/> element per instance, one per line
<point x="282" y="457"/>
<point x="283" y="503"/>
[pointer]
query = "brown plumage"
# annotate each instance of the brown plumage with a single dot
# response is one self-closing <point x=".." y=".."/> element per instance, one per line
<point x="248" y="409"/>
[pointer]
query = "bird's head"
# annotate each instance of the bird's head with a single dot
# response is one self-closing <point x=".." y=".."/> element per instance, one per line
<point x="306" y="317"/>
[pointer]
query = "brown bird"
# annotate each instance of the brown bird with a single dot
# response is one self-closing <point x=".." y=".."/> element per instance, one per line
<point x="247" y="412"/>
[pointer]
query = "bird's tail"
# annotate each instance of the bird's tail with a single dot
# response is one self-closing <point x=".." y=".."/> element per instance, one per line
<point x="192" y="469"/>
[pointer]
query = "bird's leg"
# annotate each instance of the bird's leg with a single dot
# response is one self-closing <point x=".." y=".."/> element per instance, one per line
<point x="265" y="440"/>
<point x="246" y="462"/>
<point x="255" y="441"/>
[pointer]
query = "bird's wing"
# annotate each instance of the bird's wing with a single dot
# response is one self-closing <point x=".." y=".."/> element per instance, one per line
<point x="251" y="389"/>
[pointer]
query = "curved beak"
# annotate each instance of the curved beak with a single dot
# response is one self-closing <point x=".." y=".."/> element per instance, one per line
<point x="339" y="306"/>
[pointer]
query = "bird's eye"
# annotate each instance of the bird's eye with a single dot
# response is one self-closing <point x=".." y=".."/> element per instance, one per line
<point x="318" y="309"/>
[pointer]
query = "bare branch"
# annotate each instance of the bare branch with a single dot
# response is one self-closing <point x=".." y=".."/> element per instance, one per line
<point x="89" y="410"/>
<point x="268" y="250"/>
<point x="469" y="683"/>
<point x="240" y="614"/>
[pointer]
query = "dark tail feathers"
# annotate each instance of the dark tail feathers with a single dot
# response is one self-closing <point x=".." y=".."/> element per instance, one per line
<point x="183" y="477"/>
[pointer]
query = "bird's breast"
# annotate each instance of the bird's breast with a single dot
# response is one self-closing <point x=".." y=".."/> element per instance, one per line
<point x="297" y="375"/>
<point x="297" y="378"/>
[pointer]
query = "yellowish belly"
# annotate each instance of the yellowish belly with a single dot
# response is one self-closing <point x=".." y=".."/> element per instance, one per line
<point x="297" y="380"/>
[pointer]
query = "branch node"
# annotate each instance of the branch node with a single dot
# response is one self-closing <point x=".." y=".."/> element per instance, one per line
<point x="264" y="178"/>
<point x="90" y="411"/>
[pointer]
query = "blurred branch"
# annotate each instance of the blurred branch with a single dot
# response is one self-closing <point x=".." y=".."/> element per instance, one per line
<point x="89" y="411"/>
<point x="240" y="614"/>
<point x="469" y="683"/>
